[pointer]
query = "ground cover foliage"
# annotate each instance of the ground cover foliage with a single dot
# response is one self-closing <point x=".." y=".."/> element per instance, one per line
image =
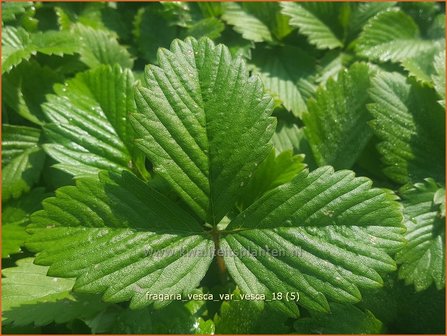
<point x="223" y="167"/>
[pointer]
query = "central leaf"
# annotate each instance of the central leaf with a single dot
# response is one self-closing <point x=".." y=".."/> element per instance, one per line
<point x="204" y="124"/>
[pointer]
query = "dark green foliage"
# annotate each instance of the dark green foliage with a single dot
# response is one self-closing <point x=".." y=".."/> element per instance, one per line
<point x="223" y="168"/>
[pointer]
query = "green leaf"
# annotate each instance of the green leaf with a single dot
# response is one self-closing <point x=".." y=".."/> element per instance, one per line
<point x="15" y="218"/>
<point x="391" y="36"/>
<point x="239" y="316"/>
<point x="208" y="27"/>
<point x="247" y="24"/>
<point x="195" y="109"/>
<point x="422" y="66"/>
<point x="29" y="296"/>
<point x="423" y="257"/>
<point x="88" y="127"/>
<point x="22" y="94"/>
<point x="119" y="228"/>
<point x="151" y="31"/>
<point x="22" y="160"/>
<point x="11" y="9"/>
<point x="337" y="118"/>
<point x="318" y="21"/>
<point x="439" y="76"/>
<point x="329" y="232"/>
<point x="176" y="318"/>
<point x="410" y="124"/>
<point x="272" y="172"/>
<point x="260" y="22"/>
<point x="343" y="319"/>
<point x="286" y="73"/>
<point x="287" y="137"/>
<point x="362" y="12"/>
<point x="16" y="289"/>
<point x="19" y="45"/>
<point x="101" y="47"/>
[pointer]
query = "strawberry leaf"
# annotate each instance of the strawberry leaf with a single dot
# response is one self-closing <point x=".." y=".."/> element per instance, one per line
<point x="423" y="257"/>
<point x="410" y="124"/>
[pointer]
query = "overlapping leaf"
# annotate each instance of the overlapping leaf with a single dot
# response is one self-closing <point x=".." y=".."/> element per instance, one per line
<point x="336" y="123"/>
<point x="423" y="258"/>
<point x="15" y="218"/>
<point x="439" y="76"/>
<point x="19" y="45"/>
<point x="410" y="124"/>
<point x="100" y="47"/>
<point x="21" y="93"/>
<point x="22" y="159"/>
<point x="287" y="75"/>
<point x="318" y="21"/>
<point x="29" y="296"/>
<point x="203" y="123"/>
<point x="88" y="122"/>
<point x="346" y="319"/>
<point x="391" y="36"/>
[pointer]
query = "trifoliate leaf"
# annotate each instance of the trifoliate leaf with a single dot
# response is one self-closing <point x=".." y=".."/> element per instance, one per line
<point x="423" y="257"/>
<point x="19" y="45"/>
<point x="151" y="31"/>
<point x="21" y="93"/>
<point x="15" y="218"/>
<point x="29" y="296"/>
<point x="410" y="124"/>
<point x="322" y="235"/>
<point x="439" y="76"/>
<point x="391" y="36"/>
<point x="195" y="110"/>
<point x="319" y="21"/>
<point x="272" y="172"/>
<point x="101" y="47"/>
<point x="22" y="159"/>
<point x="343" y="319"/>
<point x="88" y="122"/>
<point x="337" y="118"/>
<point x="239" y="316"/>
<point x="285" y="71"/>
<point x="119" y="228"/>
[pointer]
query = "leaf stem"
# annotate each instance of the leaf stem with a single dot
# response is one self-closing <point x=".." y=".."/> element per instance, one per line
<point x="219" y="258"/>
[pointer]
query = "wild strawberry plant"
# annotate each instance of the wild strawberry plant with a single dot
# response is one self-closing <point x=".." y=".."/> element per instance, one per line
<point x="223" y="167"/>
